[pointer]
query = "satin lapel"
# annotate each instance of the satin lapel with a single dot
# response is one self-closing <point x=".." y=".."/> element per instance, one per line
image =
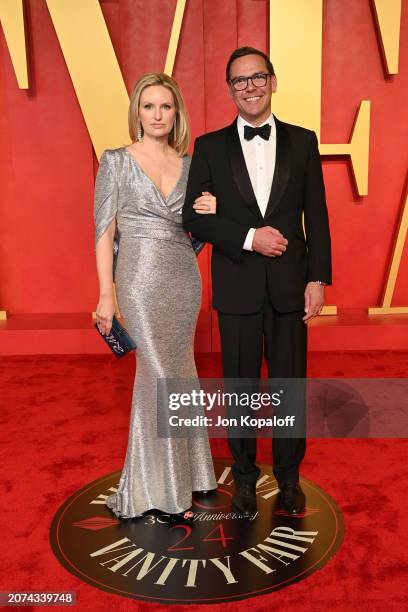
<point x="239" y="169"/>
<point x="282" y="167"/>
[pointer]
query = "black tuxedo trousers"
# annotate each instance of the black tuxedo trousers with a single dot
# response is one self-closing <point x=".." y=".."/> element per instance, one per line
<point x="282" y="340"/>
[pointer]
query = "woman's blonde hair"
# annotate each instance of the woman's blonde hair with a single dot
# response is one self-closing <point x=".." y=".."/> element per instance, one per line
<point x="180" y="140"/>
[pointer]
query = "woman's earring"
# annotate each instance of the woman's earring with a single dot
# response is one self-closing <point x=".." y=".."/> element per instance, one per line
<point x="139" y="132"/>
<point x="175" y="131"/>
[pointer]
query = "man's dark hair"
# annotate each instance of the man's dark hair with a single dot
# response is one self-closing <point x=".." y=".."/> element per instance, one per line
<point x="241" y="52"/>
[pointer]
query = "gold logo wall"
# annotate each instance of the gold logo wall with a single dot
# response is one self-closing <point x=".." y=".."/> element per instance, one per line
<point x="296" y="48"/>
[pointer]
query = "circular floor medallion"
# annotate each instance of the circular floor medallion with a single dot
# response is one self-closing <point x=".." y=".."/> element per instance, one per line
<point x="221" y="557"/>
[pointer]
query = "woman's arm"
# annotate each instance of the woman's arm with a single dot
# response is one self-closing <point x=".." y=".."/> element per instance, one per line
<point x="105" y="209"/>
<point x="104" y="263"/>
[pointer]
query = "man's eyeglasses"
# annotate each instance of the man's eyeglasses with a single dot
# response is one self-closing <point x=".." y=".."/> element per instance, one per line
<point x="258" y="80"/>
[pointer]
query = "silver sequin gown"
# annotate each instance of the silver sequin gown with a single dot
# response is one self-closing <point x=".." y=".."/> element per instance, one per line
<point x="158" y="288"/>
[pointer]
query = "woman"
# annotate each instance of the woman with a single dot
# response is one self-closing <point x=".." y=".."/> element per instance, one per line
<point x="139" y="194"/>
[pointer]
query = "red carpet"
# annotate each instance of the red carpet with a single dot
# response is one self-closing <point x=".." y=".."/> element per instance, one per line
<point x="65" y="423"/>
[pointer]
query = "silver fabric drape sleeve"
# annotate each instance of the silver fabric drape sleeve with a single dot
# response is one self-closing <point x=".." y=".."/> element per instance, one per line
<point x="106" y="201"/>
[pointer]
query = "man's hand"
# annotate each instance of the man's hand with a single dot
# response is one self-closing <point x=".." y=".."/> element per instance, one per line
<point x="269" y="241"/>
<point x="314" y="300"/>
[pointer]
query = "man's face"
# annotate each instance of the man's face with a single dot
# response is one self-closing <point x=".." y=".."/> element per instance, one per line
<point x="253" y="103"/>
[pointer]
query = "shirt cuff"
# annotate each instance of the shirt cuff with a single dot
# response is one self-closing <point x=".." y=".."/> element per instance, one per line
<point x="248" y="240"/>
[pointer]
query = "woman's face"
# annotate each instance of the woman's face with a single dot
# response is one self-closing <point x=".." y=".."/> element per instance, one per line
<point x="157" y="111"/>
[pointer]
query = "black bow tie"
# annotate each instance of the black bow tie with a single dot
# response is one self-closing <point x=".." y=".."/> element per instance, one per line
<point x="250" y="132"/>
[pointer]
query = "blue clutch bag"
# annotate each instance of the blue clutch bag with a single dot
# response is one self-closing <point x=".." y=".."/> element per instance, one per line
<point x="197" y="244"/>
<point x="118" y="339"/>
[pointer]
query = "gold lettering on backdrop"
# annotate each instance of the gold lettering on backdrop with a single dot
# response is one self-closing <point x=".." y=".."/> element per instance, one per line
<point x="174" y="36"/>
<point x="357" y="148"/>
<point x="94" y="70"/>
<point x="386" y="307"/>
<point x="388" y="20"/>
<point x="12" y="20"/>
<point x="329" y="310"/>
<point x="295" y="46"/>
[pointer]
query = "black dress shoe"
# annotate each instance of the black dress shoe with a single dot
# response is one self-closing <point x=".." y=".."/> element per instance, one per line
<point x="185" y="517"/>
<point x="244" y="500"/>
<point x="291" y="497"/>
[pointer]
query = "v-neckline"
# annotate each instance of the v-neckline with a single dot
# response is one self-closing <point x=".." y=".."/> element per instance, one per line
<point x="165" y="200"/>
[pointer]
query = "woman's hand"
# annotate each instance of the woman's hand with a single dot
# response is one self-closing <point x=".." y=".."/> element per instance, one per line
<point x="104" y="313"/>
<point x="205" y="204"/>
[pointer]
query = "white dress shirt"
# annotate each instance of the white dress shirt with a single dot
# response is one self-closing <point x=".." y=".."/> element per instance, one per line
<point x="260" y="158"/>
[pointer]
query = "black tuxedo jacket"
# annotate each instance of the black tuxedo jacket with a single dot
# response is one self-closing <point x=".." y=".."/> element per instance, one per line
<point x="239" y="277"/>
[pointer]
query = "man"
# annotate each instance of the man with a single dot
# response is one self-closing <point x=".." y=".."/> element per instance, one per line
<point x="267" y="278"/>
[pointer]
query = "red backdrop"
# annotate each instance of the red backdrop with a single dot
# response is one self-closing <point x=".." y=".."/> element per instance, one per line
<point x="48" y="166"/>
